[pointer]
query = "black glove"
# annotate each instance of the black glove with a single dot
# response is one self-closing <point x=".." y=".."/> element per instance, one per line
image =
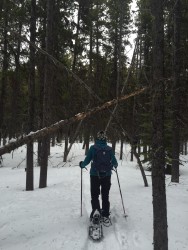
<point x="115" y="167"/>
<point x="80" y="164"/>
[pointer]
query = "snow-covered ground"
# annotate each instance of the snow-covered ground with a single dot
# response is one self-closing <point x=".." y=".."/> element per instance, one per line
<point x="49" y="218"/>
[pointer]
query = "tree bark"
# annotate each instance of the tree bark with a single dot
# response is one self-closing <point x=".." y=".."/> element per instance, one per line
<point x="41" y="85"/>
<point x="31" y="106"/>
<point x="1" y="8"/>
<point x="4" y="75"/>
<point x="16" y="90"/>
<point x="132" y="155"/>
<point x="121" y="149"/>
<point x="114" y="145"/>
<point x="73" y="138"/>
<point x="66" y="147"/>
<point x="185" y="147"/>
<point x="176" y="94"/>
<point x="86" y="139"/>
<point x="160" y="236"/>
<point x="46" y="97"/>
<point x="76" y="40"/>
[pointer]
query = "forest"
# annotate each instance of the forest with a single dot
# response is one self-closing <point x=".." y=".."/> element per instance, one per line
<point x="66" y="73"/>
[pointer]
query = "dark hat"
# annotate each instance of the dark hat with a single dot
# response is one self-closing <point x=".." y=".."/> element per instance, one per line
<point x="101" y="135"/>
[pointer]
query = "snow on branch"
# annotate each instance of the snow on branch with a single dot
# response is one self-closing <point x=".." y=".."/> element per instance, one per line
<point x="54" y="128"/>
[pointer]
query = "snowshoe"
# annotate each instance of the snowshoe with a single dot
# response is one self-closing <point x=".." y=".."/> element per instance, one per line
<point x="95" y="228"/>
<point x="106" y="221"/>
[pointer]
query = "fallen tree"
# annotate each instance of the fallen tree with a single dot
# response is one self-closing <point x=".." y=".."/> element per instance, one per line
<point x="54" y="128"/>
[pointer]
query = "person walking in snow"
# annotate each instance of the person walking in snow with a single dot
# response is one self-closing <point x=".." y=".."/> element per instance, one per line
<point x="102" y="161"/>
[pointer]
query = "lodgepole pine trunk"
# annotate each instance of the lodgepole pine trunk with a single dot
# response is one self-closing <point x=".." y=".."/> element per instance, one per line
<point x="1" y="8"/>
<point x="46" y="98"/>
<point x="160" y="236"/>
<point x="31" y="108"/>
<point x="176" y="94"/>
<point x="121" y="149"/>
<point x="3" y="86"/>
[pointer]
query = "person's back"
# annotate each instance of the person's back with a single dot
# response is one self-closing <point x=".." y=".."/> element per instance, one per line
<point x="103" y="161"/>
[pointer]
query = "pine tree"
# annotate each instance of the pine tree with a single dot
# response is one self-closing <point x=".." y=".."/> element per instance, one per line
<point x="160" y="237"/>
<point x="47" y="97"/>
<point x="31" y="108"/>
<point x="176" y="92"/>
<point x="3" y="86"/>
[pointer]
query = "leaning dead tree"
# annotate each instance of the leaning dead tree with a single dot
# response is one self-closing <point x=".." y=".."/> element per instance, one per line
<point x="125" y="133"/>
<point x="61" y="66"/>
<point x="54" y="128"/>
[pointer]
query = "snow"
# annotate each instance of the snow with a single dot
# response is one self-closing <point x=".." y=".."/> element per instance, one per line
<point x="50" y="218"/>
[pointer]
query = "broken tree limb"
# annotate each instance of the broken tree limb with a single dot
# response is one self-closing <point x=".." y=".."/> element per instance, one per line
<point x="74" y="136"/>
<point x="125" y="133"/>
<point x="124" y="85"/>
<point x="57" y="126"/>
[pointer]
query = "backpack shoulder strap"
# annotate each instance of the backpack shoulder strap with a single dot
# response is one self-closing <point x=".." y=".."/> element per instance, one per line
<point x="108" y="147"/>
<point x="101" y="148"/>
<point x="96" y="146"/>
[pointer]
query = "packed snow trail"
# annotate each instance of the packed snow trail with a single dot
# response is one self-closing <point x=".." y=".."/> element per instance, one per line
<point x="112" y="238"/>
<point x="49" y="218"/>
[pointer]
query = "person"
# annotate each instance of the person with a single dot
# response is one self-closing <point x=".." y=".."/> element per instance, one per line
<point x="100" y="181"/>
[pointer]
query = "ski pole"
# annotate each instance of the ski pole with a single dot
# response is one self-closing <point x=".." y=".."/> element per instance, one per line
<point x="120" y="192"/>
<point x="81" y="191"/>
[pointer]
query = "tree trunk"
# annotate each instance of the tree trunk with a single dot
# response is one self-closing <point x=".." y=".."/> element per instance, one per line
<point x="176" y="94"/>
<point x="39" y="152"/>
<point x="145" y="152"/>
<point x="46" y="98"/>
<point x="181" y="148"/>
<point x="66" y="148"/>
<point x="138" y="146"/>
<point x="132" y="155"/>
<point x="1" y="8"/>
<point x="44" y="162"/>
<point x="53" y="140"/>
<point x="86" y="140"/>
<point x="76" y="40"/>
<point x="121" y="149"/>
<point x="4" y="76"/>
<point x="114" y="145"/>
<point x="16" y="91"/>
<point x="185" y="146"/>
<point x="97" y="77"/>
<point x="31" y="108"/>
<point x="73" y="138"/>
<point x="41" y="88"/>
<point x="158" y="152"/>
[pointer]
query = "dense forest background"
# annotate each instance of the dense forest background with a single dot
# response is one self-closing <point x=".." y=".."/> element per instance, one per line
<point x="90" y="39"/>
<point x="59" y="58"/>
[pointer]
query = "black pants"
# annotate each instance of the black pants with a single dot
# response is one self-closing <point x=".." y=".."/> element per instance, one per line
<point x="100" y="186"/>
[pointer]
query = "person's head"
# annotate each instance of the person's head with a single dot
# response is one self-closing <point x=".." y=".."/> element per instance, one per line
<point x="101" y="135"/>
